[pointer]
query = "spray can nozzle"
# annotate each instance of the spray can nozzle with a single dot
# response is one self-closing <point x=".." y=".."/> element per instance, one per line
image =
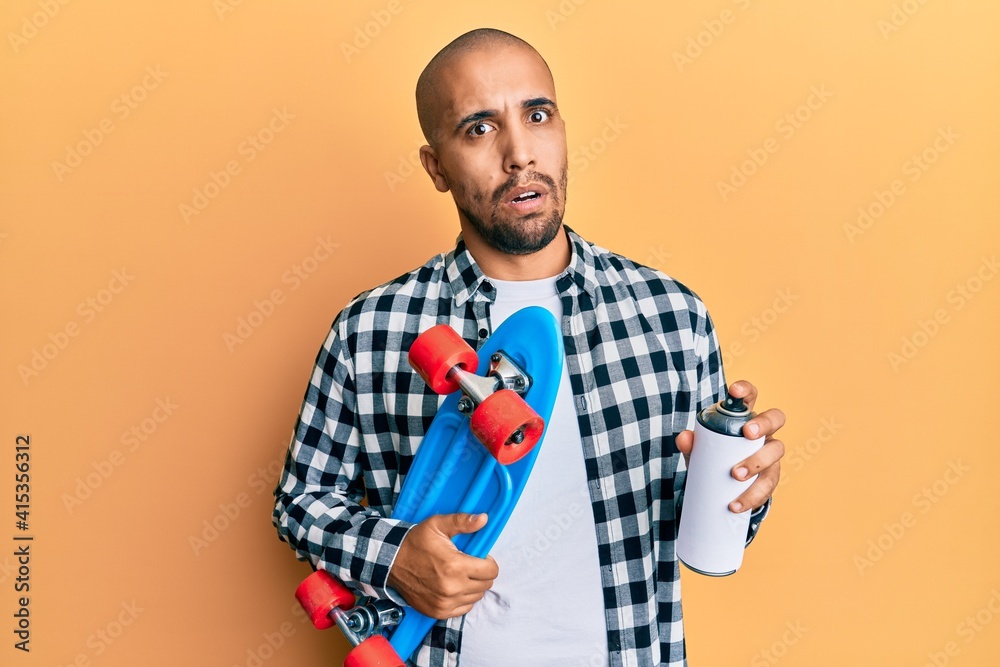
<point x="731" y="405"/>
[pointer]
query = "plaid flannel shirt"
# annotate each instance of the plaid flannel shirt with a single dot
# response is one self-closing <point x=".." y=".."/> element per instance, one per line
<point x="643" y="359"/>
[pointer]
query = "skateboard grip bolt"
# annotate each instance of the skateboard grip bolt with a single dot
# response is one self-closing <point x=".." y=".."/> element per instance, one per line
<point x="495" y="358"/>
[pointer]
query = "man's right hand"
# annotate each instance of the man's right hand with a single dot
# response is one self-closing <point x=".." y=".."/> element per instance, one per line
<point x="433" y="576"/>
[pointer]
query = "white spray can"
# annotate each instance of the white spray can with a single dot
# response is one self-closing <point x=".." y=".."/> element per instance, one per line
<point x="711" y="538"/>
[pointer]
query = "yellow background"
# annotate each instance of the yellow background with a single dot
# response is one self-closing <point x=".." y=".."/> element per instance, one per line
<point x="662" y="103"/>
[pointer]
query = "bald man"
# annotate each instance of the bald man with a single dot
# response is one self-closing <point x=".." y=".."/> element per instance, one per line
<point x="585" y="572"/>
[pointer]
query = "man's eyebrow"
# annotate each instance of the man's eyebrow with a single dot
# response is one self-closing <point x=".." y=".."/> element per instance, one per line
<point x="537" y="102"/>
<point x="473" y="117"/>
<point x="489" y="113"/>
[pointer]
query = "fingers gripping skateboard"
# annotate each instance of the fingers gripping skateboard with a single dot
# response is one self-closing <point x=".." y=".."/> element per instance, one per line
<point x="506" y="425"/>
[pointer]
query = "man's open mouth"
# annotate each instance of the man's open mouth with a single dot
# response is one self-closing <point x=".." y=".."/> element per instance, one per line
<point x="525" y="196"/>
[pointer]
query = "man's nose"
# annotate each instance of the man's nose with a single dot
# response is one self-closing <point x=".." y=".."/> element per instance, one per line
<point x="518" y="149"/>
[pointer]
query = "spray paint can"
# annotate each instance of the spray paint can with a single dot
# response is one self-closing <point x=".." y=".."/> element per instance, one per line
<point x="711" y="538"/>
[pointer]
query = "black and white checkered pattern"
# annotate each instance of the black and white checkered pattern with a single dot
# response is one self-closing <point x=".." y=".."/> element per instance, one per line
<point x="643" y="359"/>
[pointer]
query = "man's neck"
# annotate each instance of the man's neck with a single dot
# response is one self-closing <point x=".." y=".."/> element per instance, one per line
<point x="548" y="262"/>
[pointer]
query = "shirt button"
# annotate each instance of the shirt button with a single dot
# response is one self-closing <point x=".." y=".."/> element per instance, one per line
<point x="450" y="647"/>
<point x="487" y="286"/>
<point x="483" y="333"/>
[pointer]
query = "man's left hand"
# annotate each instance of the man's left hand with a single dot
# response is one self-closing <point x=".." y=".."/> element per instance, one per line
<point x="765" y="462"/>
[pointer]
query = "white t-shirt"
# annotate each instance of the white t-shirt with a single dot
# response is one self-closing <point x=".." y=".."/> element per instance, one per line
<point x="546" y="606"/>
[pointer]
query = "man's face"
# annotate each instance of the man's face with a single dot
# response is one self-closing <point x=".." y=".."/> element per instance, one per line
<point x="502" y="147"/>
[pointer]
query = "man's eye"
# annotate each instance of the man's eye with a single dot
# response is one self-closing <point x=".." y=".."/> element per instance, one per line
<point x="539" y="116"/>
<point x="479" y="129"/>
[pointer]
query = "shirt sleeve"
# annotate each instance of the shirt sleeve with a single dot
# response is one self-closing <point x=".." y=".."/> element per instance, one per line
<point x="711" y="378"/>
<point x="317" y="507"/>
<point x="710" y="390"/>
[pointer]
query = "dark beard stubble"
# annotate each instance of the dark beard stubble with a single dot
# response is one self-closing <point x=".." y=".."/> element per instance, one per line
<point x="519" y="238"/>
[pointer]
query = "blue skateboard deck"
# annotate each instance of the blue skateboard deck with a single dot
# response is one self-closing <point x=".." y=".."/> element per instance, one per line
<point x="453" y="472"/>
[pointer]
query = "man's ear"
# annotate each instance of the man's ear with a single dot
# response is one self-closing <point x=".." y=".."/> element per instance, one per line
<point x="428" y="158"/>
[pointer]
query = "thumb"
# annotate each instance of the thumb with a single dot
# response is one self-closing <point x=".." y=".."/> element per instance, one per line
<point x="684" y="442"/>
<point x="457" y="524"/>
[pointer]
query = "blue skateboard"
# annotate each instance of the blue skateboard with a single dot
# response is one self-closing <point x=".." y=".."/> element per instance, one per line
<point x="475" y="458"/>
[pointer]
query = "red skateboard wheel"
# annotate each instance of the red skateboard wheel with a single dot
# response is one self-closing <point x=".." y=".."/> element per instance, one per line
<point x="498" y="420"/>
<point x="376" y="651"/>
<point x="319" y="594"/>
<point x="436" y="351"/>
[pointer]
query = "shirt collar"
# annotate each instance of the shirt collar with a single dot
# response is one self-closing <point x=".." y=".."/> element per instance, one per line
<point x="466" y="278"/>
